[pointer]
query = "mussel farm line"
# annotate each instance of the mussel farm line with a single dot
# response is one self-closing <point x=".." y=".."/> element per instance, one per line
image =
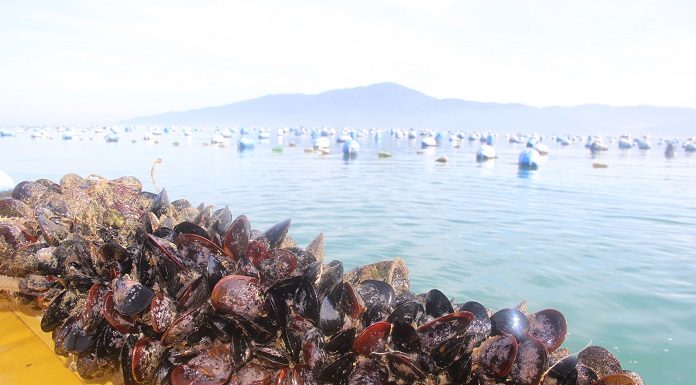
<point x="152" y="291"/>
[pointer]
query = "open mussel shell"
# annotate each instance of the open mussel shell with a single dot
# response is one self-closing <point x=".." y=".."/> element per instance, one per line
<point x="496" y="355"/>
<point x="510" y="321"/>
<point x="601" y="361"/>
<point x="240" y="295"/>
<point x="145" y="359"/>
<point x="437" y="331"/>
<point x="530" y="364"/>
<point x="211" y="367"/>
<point x="131" y="297"/>
<point x="372" y="339"/>
<point x="549" y="327"/>
<point x="122" y="323"/>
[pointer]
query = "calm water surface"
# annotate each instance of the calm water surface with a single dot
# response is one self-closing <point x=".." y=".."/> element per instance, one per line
<point x="614" y="249"/>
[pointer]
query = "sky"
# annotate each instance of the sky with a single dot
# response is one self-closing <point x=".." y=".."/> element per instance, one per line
<point x="92" y="62"/>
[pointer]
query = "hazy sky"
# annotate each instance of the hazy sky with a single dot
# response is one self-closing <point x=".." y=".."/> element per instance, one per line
<point x="99" y="61"/>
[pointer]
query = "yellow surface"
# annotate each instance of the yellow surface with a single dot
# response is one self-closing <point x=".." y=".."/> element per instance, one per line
<point x="26" y="353"/>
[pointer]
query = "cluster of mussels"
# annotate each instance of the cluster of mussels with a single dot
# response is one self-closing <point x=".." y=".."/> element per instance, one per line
<point x="157" y="292"/>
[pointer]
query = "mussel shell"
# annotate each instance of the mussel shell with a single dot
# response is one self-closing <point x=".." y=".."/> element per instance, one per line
<point x="531" y="362"/>
<point x="277" y="308"/>
<point x="510" y="321"/>
<point x="240" y="295"/>
<point x="445" y="353"/>
<point x="275" y="265"/>
<point x="374" y="292"/>
<point x="616" y="379"/>
<point x="404" y="367"/>
<point x="145" y="359"/>
<point x="338" y="370"/>
<point x="14" y="208"/>
<point x="271" y="357"/>
<point x="131" y="297"/>
<point x="600" y="360"/>
<point x="122" y="323"/>
<point x="211" y="367"/>
<point x="276" y="234"/>
<point x="330" y="277"/>
<point x="437" y="304"/>
<point x="407" y="312"/>
<point x="549" y="327"/>
<point x="183" y="326"/>
<point x="563" y="372"/>
<point x="293" y="344"/>
<point x="75" y="338"/>
<point x="372" y="339"/>
<point x="479" y="311"/>
<point x="162" y="312"/>
<point x="330" y="312"/>
<point x="405" y="338"/>
<point x="186" y="227"/>
<point x="160" y="203"/>
<point x="193" y="294"/>
<point x="215" y="270"/>
<point x="369" y="371"/>
<point x="435" y="332"/>
<point x="341" y="342"/>
<point x="237" y="237"/>
<point x="58" y="311"/>
<point x="497" y="354"/>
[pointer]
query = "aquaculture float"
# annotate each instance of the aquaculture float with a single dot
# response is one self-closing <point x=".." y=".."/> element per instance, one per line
<point x="146" y="290"/>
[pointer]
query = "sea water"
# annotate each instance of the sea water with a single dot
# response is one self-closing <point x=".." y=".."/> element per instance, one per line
<point x="612" y="248"/>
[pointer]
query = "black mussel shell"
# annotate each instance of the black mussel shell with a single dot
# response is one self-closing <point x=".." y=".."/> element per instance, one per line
<point x="330" y="312"/>
<point x="240" y="295"/>
<point x="404" y="367"/>
<point x="445" y="353"/>
<point x="58" y="311"/>
<point x="125" y="361"/>
<point x="163" y="312"/>
<point x="338" y="370"/>
<point x="131" y="297"/>
<point x="407" y="312"/>
<point x="293" y="344"/>
<point x="271" y="357"/>
<point x="275" y="265"/>
<point x="191" y="228"/>
<point x="193" y="294"/>
<point x="214" y="271"/>
<point x="585" y="375"/>
<point x="510" y="321"/>
<point x="211" y="367"/>
<point x="160" y="203"/>
<point x="479" y="311"/>
<point x="277" y="308"/>
<point x="330" y="277"/>
<point x="124" y="324"/>
<point x="276" y="234"/>
<point x="405" y="338"/>
<point x="76" y="339"/>
<point x="341" y="342"/>
<point x="240" y="346"/>
<point x="351" y="303"/>
<point x="564" y="372"/>
<point x="460" y="369"/>
<point x="369" y="371"/>
<point x="437" y="304"/>
<point x="373" y="291"/>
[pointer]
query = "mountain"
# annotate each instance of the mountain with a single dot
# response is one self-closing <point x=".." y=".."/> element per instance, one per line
<point x="389" y="105"/>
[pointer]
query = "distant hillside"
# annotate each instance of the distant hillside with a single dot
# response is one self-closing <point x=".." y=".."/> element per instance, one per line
<point x="389" y="105"/>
